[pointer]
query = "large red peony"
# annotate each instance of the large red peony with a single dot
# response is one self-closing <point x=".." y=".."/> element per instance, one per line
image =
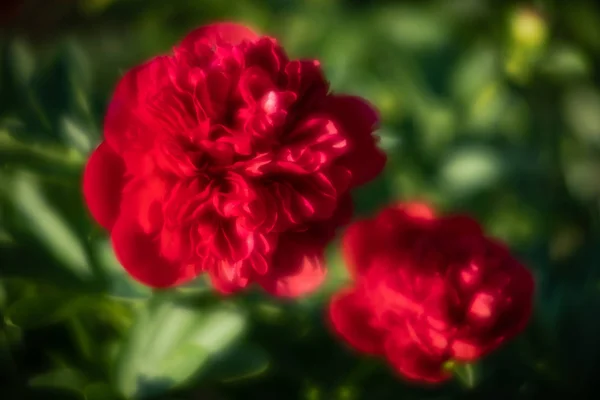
<point x="228" y="158"/>
<point x="429" y="290"/>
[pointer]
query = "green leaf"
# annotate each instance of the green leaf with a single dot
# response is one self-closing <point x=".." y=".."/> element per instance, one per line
<point x="99" y="391"/>
<point x="10" y="335"/>
<point x="584" y="23"/>
<point x="476" y="69"/>
<point x="78" y="64"/>
<point x="76" y="135"/>
<point x="342" y="52"/>
<point x="582" y="111"/>
<point x="513" y="221"/>
<point x="62" y="378"/>
<point x="42" y="157"/>
<point x="489" y="107"/>
<point x="438" y="127"/>
<point x="581" y="176"/>
<point x="466" y="374"/>
<point x="170" y="343"/>
<point x="220" y="327"/>
<point x="37" y="310"/>
<point x="22" y="62"/>
<point x="413" y="28"/>
<point x="241" y="362"/>
<point x="61" y="88"/>
<point x="566" y="62"/>
<point x="471" y="169"/>
<point x="39" y="219"/>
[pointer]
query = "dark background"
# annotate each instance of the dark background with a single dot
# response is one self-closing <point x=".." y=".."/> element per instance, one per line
<point x="490" y="108"/>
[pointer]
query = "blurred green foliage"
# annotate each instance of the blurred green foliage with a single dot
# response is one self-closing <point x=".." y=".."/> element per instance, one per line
<point x="490" y="108"/>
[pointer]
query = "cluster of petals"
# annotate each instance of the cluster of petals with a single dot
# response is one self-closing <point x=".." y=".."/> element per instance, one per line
<point x="227" y="158"/>
<point x="428" y="291"/>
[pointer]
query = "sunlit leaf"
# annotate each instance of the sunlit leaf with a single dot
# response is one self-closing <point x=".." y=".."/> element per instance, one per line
<point x="220" y="327"/>
<point x="470" y="169"/>
<point x="582" y="110"/>
<point x="528" y="27"/>
<point x="388" y="140"/>
<point x="337" y="272"/>
<point x="170" y="343"/>
<point x="75" y="134"/>
<point x="44" y="223"/>
<point x="566" y="62"/>
<point x="466" y="374"/>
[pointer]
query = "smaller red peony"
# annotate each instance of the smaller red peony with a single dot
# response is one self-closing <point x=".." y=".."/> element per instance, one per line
<point x="429" y="290"/>
<point x="230" y="159"/>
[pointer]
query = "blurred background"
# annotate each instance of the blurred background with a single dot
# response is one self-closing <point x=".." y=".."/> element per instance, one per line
<point x="488" y="107"/>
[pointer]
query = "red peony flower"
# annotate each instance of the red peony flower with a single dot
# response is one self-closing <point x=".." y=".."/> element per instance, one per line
<point x="428" y="291"/>
<point x="228" y="158"/>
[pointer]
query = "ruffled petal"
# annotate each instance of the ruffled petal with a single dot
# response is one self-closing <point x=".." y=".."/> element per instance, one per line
<point x="228" y="32"/>
<point x="460" y="226"/>
<point x="124" y="123"/>
<point x="358" y="244"/>
<point x="142" y="201"/>
<point x="103" y="181"/>
<point x="410" y="360"/>
<point x="297" y="268"/>
<point x="324" y="231"/>
<point x="140" y="255"/>
<point x="418" y="210"/>
<point x="350" y="316"/>
<point x="358" y="119"/>
<point x="471" y="350"/>
<point x="228" y="278"/>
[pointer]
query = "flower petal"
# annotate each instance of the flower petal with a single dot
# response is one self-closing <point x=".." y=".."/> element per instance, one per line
<point x="228" y="278"/>
<point x="297" y="268"/>
<point x="411" y="361"/>
<point x="358" y="119"/>
<point x="140" y="255"/>
<point x="142" y="200"/>
<point x="358" y="244"/>
<point x="103" y="181"/>
<point x="124" y="124"/>
<point x="229" y="32"/>
<point x="350" y="315"/>
<point x="418" y="210"/>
